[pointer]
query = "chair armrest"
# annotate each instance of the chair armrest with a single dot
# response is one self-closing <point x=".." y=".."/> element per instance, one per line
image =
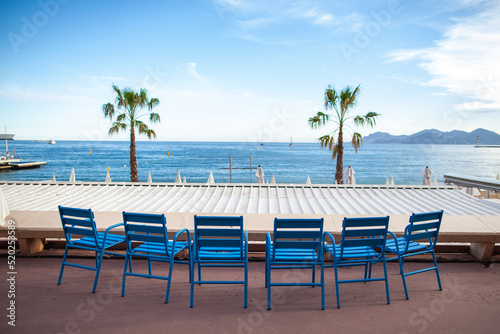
<point x="328" y="234"/>
<point x="184" y="230"/>
<point x="109" y="229"/>
<point x="396" y="240"/>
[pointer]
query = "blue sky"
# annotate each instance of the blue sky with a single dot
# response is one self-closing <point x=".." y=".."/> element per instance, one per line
<point x="234" y="69"/>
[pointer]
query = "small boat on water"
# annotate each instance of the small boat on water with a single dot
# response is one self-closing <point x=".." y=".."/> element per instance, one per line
<point x="291" y="142"/>
<point x="52" y="141"/>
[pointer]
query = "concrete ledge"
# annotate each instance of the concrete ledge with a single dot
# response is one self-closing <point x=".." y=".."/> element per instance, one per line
<point x="482" y="232"/>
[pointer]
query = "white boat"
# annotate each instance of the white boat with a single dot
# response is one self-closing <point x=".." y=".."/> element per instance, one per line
<point x="291" y="142"/>
<point x="52" y="141"/>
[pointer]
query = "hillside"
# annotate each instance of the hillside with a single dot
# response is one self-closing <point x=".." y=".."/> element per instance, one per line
<point x="433" y="136"/>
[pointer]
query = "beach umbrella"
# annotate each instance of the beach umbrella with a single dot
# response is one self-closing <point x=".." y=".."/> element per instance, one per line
<point x="349" y="176"/>
<point x="178" y="177"/>
<point x="435" y="182"/>
<point x="392" y="180"/>
<point x="149" y="178"/>
<point x="273" y="180"/>
<point x="308" y="181"/>
<point x="53" y="177"/>
<point x="386" y="181"/>
<point x="184" y="180"/>
<point x="4" y="210"/>
<point x="72" y="176"/>
<point x="211" y="178"/>
<point x="108" y="178"/>
<point x="426" y="174"/>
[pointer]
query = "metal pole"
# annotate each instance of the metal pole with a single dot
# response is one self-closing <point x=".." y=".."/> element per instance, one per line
<point x="230" y="171"/>
<point x="250" y="168"/>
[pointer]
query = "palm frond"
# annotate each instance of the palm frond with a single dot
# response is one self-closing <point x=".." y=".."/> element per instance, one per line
<point x="121" y="117"/>
<point x="318" y="120"/>
<point x="356" y="141"/>
<point x="109" y="110"/>
<point x="331" y="97"/>
<point x="154" y="117"/>
<point x="117" y="126"/>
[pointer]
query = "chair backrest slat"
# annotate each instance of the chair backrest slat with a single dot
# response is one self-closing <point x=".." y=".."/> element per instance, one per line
<point x="422" y="235"/>
<point x="80" y="222"/>
<point x="219" y="243"/>
<point x="145" y="227"/>
<point x="307" y="234"/>
<point x="364" y="232"/>
<point x="423" y="226"/>
<point x="303" y="234"/>
<point x="80" y="231"/>
<point x="224" y="233"/>
<point x="218" y="232"/>
<point x="309" y="245"/>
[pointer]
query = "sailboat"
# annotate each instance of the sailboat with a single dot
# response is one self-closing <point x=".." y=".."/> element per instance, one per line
<point x="291" y="142"/>
<point x="262" y="138"/>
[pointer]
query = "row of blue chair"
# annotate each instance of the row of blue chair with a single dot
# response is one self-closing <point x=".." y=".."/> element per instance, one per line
<point x="222" y="242"/>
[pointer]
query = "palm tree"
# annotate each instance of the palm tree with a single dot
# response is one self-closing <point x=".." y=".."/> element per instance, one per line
<point x="342" y="102"/>
<point x="130" y="104"/>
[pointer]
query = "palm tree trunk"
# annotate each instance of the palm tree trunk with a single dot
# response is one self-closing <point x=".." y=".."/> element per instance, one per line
<point x="340" y="157"/>
<point x="133" y="159"/>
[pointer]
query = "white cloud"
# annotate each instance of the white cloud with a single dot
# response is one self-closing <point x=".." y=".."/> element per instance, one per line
<point x="465" y="60"/>
<point x="191" y="69"/>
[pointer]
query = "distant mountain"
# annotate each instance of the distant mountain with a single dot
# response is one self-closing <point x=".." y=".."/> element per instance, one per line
<point x="433" y="136"/>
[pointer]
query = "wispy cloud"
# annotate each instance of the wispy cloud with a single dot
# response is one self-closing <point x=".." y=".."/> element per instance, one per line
<point x="17" y="93"/>
<point x="465" y="60"/>
<point x="191" y="69"/>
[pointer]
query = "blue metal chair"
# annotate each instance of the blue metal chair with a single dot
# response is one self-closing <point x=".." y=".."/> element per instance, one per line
<point x="219" y="242"/>
<point x="422" y="227"/>
<point x="362" y="244"/>
<point x="81" y="222"/>
<point x="296" y="244"/>
<point x="151" y="231"/>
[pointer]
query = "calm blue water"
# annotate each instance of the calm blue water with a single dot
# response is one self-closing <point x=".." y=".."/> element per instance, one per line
<point x="372" y="164"/>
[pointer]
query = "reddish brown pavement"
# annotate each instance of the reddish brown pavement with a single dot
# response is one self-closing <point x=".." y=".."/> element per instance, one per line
<point x="469" y="302"/>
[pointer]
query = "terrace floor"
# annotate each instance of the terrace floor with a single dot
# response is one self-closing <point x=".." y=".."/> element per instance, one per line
<point x="469" y="302"/>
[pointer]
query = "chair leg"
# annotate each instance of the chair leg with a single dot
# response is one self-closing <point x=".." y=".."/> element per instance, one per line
<point x="268" y="284"/>
<point x="62" y="266"/>
<point x="336" y="284"/>
<point x="403" y="276"/>
<point x="171" y="266"/>
<point x="437" y="270"/>
<point x="313" y="274"/>
<point x="149" y="264"/>
<point x="322" y="286"/>
<point x="266" y="273"/>
<point x="98" y="269"/>
<point x="192" y="285"/>
<point x="127" y="261"/>
<point x="246" y="283"/>
<point x="199" y="272"/>
<point x="386" y="282"/>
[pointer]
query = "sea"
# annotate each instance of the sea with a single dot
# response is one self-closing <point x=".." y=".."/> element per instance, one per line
<point x="373" y="163"/>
